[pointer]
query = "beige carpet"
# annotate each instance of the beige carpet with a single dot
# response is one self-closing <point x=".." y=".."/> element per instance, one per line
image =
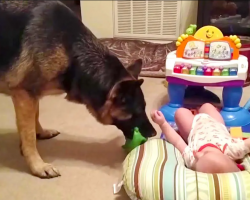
<point x="88" y="154"/>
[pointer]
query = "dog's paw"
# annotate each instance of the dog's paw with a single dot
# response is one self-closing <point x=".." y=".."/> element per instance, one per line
<point x="47" y="134"/>
<point x="45" y="170"/>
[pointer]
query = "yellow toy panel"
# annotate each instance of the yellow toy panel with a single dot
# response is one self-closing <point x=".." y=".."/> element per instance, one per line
<point x="208" y="43"/>
<point x="208" y="33"/>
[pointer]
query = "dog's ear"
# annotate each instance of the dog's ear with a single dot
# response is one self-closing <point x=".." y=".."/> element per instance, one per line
<point x="135" y="69"/>
<point x="130" y="84"/>
<point x="126" y="87"/>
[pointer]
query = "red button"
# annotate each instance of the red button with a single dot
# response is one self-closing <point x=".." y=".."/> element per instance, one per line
<point x="208" y="72"/>
<point x="177" y="69"/>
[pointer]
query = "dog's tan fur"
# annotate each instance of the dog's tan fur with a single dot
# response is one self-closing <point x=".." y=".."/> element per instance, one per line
<point x="42" y="62"/>
<point x="26" y="112"/>
<point x="57" y="57"/>
<point x="50" y="64"/>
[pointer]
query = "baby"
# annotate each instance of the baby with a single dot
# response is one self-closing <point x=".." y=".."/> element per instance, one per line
<point x="204" y="140"/>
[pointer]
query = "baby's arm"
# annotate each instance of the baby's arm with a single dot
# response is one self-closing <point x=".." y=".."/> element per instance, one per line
<point x="173" y="137"/>
<point x="247" y="144"/>
<point x="238" y="149"/>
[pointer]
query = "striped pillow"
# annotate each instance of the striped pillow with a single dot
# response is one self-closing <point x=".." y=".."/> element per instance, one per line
<point x="156" y="171"/>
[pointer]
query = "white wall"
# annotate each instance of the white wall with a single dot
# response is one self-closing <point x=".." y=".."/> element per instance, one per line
<point x="98" y="16"/>
<point x="188" y="14"/>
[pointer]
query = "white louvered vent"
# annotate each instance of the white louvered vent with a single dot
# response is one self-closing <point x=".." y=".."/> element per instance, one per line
<point x="147" y="19"/>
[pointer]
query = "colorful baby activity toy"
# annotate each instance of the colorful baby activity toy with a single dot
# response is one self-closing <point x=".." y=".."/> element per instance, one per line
<point x="208" y="58"/>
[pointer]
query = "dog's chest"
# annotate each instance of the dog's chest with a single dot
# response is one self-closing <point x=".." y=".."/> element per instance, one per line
<point x="4" y="89"/>
<point x="52" y="88"/>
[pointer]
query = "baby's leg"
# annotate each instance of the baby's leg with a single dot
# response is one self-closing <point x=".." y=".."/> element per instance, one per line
<point x="184" y="119"/>
<point x="209" y="109"/>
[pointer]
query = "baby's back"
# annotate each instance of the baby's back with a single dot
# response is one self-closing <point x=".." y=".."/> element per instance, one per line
<point x="206" y="131"/>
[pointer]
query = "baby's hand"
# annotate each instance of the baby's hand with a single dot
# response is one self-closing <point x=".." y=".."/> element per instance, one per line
<point x="158" y="117"/>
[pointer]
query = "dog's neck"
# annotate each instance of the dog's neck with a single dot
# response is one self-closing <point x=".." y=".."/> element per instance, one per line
<point x="97" y="99"/>
<point x="93" y="73"/>
<point x="92" y="85"/>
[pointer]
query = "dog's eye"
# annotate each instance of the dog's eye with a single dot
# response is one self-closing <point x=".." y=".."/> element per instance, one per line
<point x="120" y="100"/>
<point x="123" y="100"/>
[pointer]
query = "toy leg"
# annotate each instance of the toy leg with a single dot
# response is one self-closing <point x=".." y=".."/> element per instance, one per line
<point x="184" y="119"/>
<point x="232" y="113"/>
<point x="231" y="98"/>
<point x="176" y="96"/>
<point x="211" y="111"/>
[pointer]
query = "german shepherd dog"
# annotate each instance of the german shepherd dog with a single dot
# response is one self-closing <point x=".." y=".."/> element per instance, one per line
<point x="45" y="49"/>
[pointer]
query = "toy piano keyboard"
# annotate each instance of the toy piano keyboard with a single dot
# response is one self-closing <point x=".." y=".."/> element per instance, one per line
<point x="207" y="58"/>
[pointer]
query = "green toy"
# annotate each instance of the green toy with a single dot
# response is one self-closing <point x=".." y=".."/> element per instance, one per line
<point x="191" y="29"/>
<point x="225" y="72"/>
<point x="137" y="140"/>
<point x="192" y="71"/>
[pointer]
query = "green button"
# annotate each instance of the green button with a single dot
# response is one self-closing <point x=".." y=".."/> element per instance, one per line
<point x="225" y="72"/>
<point x="192" y="71"/>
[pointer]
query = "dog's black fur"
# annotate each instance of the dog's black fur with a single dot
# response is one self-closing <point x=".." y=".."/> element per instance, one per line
<point x="45" y="47"/>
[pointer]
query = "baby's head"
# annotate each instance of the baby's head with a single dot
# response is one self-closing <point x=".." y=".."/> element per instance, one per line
<point x="214" y="162"/>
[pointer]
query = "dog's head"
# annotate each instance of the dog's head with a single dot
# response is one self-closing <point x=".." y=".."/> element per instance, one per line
<point x="125" y="107"/>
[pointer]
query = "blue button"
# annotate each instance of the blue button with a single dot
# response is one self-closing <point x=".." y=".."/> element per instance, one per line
<point x="199" y="71"/>
<point x="233" y="72"/>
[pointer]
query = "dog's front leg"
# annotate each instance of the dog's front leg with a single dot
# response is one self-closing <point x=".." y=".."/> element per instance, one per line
<point x="25" y="107"/>
<point x="42" y="134"/>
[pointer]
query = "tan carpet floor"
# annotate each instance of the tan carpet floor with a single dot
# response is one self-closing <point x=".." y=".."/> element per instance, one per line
<point x="88" y="155"/>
